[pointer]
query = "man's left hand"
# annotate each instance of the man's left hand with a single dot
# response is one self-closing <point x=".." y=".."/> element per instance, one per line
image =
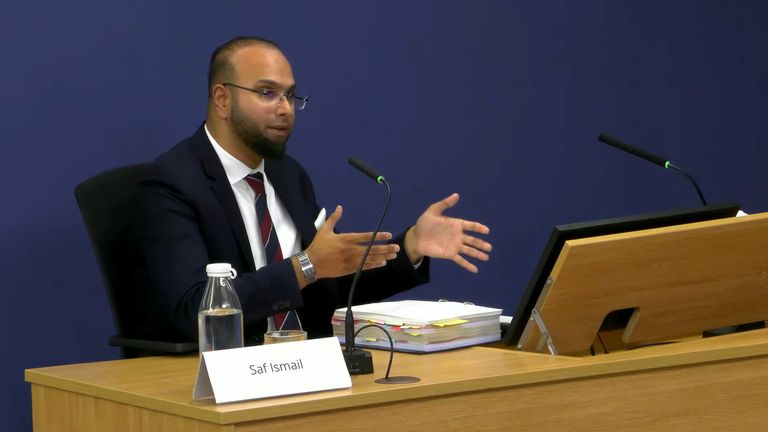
<point x="438" y="236"/>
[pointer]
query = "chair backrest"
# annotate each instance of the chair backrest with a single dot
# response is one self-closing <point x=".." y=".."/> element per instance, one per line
<point x="108" y="204"/>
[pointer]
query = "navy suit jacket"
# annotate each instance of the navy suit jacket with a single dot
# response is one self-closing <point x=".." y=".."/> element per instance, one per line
<point x="188" y="217"/>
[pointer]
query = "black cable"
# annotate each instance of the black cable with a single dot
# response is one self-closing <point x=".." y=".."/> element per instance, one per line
<point x="349" y="320"/>
<point x="600" y="338"/>
<point x="696" y="185"/>
<point x="391" y="344"/>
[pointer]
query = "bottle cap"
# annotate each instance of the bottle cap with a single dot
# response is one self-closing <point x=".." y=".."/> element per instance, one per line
<point x="220" y="270"/>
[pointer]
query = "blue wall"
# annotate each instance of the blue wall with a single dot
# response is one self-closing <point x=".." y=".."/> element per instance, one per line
<point x="500" y="101"/>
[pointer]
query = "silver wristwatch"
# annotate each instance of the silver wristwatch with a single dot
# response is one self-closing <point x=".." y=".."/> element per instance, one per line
<point x="306" y="267"/>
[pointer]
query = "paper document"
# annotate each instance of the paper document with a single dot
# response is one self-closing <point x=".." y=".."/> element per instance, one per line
<point x="422" y="326"/>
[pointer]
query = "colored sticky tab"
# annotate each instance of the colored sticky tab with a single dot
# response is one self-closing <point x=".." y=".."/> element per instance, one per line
<point x="449" y="322"/>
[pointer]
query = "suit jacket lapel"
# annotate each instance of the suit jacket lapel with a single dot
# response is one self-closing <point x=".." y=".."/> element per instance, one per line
<point x="284" y="181"/>
<point x="223" y="191"/>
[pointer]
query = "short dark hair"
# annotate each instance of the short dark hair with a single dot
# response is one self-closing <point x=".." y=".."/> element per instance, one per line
<point x="221" y="64"/>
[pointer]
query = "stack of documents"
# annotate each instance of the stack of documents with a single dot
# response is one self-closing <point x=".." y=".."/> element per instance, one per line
<point x="421" y="326"/>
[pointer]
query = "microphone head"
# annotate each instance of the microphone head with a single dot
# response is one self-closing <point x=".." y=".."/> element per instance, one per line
<point x="650" y="157"/>
<point x="607" y="139"/>
<point x="365" y="169"/>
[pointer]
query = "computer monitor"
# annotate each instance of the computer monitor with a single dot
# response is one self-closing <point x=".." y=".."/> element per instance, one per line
<point x="563" y="233"/>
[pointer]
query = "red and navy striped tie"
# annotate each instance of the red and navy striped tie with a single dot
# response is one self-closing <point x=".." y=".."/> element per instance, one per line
<point x="267" y="229"/>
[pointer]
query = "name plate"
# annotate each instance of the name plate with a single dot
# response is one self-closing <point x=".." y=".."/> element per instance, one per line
<point x="271" y="370"/>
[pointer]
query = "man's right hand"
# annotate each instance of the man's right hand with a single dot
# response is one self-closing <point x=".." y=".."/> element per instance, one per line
<point x="335" y="255"/>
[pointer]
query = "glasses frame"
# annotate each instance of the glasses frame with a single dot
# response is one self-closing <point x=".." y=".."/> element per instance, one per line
<point x="297" y="102"/>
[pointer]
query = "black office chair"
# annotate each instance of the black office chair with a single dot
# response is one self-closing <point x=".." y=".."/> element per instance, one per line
<point x="108" y="204"/>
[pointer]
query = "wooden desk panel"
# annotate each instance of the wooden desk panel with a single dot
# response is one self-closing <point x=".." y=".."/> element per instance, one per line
<point x="710" y="384"/>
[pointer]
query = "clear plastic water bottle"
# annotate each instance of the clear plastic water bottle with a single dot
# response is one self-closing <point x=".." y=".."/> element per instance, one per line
<point x="220" y="319"/>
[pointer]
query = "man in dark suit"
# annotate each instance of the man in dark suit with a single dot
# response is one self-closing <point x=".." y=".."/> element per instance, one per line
<point x="199" y="206"/>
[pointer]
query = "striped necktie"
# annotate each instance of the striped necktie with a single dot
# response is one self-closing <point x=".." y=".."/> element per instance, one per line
<point x="272" y="250"/>
<point x="266" y="228"/>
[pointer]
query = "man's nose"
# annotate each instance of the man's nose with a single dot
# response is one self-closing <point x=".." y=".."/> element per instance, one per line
<point x="284" y="105"/>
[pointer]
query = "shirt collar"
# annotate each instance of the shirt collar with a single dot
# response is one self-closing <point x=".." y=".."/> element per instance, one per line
<point x="233" y="167"/>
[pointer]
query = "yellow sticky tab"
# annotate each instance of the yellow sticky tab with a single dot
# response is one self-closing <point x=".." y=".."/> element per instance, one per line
<point x="449" y="322"/>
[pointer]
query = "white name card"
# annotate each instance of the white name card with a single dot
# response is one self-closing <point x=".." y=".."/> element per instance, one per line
<point x="271" y="370"/>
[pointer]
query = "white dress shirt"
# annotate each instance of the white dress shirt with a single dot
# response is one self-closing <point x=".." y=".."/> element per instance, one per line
<point x="287" y="235"/>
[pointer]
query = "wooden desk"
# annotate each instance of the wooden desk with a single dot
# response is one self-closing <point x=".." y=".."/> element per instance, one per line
<point x="708" y="384"/>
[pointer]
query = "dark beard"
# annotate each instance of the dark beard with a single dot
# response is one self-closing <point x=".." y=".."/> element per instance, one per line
<point x="248" y="132"/>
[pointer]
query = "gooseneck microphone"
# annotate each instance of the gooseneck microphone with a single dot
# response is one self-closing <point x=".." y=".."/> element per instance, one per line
<point x="357" y="163"/>
<point x="358" y="360"/>
<point x="650" y="157"/>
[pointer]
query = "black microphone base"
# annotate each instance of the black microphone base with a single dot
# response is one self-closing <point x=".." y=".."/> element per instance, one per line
<point x="359" y="362"/>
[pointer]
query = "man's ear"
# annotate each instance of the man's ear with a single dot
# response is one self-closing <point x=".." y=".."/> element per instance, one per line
<point x="221" y="100"/>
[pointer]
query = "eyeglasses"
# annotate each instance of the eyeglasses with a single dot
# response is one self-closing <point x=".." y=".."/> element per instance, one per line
<point x="274" y="97"/>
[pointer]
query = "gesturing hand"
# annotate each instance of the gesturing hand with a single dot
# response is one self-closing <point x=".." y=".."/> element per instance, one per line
<point x="439" y="236"/>
<point x="336" y="255"/>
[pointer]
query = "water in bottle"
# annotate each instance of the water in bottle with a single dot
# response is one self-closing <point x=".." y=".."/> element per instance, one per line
<point x="220" y="318"/>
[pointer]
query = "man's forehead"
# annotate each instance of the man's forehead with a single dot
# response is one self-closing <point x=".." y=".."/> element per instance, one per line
<point x="260" y="57"/>
<point x="261" y="64"/>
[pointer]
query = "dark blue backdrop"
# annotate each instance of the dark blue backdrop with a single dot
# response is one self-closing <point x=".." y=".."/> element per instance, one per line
<point x="500" y="101"/>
